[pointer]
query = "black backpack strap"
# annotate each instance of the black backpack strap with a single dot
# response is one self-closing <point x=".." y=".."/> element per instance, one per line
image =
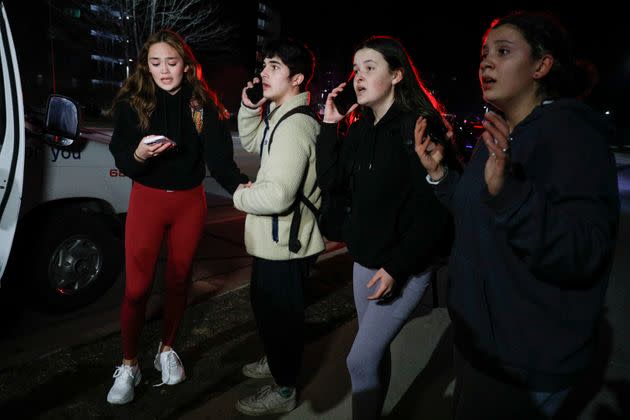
<point x="308" y="203"/>
<point x="294" y="242"/>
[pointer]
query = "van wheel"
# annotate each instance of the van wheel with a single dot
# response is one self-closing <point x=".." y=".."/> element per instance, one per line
<point x="76" y="260"/>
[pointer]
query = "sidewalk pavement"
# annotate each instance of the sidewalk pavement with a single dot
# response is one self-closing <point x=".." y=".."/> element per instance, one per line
<point x="422" y="378"/>
<point x="422" y="381"/>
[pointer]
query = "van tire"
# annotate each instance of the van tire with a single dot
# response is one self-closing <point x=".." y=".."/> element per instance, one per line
<point x="75" y="261"/>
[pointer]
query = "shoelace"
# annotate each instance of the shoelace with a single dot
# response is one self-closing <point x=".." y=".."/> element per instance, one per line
<point x="121" y="369"/>
<point x="263" y="392"/>
<point x="173" y="360"/>
<point x="118" y="372"/>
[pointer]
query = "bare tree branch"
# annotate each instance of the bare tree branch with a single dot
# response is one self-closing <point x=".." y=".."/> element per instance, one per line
<point x="198" y="21"/>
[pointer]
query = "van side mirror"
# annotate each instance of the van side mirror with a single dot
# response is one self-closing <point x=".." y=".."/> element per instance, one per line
<point x="61" y="122"/>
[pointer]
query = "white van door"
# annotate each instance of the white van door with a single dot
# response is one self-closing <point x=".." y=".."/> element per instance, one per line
<point x="11" y="141"/>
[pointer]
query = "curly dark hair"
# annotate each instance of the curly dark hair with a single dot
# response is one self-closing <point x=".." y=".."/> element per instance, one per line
<point x="568" y="77"/>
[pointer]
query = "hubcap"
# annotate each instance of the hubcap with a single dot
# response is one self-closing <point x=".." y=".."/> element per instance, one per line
<point x="75" y="265"/>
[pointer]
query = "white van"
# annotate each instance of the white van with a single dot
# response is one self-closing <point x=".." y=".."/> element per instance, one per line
<point x="59" y="201"/>
<point x="61" y="198"/>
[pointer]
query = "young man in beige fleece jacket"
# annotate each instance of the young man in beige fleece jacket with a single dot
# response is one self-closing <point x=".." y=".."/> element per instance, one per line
<point x="286" y="169"/>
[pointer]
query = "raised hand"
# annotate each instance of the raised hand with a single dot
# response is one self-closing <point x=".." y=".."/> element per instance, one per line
<point x="495" y="137"/>
<point x="430" y="153"/>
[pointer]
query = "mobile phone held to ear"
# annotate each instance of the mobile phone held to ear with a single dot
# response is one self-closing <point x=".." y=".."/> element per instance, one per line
<point x="255" y="93"/>
<point x="346" y="98"/>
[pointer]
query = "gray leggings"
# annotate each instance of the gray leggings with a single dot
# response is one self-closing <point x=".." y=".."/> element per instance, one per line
<point x="368" y="361"/>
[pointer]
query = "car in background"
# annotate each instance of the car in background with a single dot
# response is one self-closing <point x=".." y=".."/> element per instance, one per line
<point x="467" y="129"/>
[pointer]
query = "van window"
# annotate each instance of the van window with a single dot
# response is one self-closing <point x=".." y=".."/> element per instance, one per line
<point x="3" y="114"/>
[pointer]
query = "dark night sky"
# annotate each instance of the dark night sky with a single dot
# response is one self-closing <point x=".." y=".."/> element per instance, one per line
<point x="444" y="39"/>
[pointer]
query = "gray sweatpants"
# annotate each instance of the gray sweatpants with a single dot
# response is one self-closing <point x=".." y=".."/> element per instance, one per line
<point x="369" y="359"/>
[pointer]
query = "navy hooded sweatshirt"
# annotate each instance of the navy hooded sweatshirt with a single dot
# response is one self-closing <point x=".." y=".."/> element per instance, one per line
<point x="529" y="267"/>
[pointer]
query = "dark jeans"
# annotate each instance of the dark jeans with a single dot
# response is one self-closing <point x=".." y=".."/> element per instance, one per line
<point x="277" y="296"/>
<point x="481" y="396"/>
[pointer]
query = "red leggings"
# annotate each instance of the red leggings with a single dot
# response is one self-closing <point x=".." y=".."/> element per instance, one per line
<point x="152" y="212"/>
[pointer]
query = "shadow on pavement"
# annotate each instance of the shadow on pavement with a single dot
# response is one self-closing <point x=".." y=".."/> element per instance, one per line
<point x="426" y="395"/>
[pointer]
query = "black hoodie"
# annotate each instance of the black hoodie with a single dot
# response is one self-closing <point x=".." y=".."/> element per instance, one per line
<point x="529" y="267"/>
<point x="184" y="166"/>
<point x="396" y="221"/>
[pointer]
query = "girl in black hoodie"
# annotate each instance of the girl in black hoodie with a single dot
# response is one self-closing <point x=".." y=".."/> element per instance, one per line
<point x="166" y="95"/>
<point x="536" y="214"/>
<point x="396" y="226"/>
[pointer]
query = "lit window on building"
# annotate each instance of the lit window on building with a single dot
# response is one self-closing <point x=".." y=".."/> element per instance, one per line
<point x="262" y="23"/>
<point x="106" y="35"/>
<point x="99" y="82"/>
<point x="102" y="9"/>
<point x="73" y="12"/>
<point x="262" y="7"/>
<point x="106" y="59"/>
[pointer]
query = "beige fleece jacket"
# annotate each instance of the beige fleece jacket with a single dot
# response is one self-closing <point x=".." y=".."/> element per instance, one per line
<point x="292" y="157"/>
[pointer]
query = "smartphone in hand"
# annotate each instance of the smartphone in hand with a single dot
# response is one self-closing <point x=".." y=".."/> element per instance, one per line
<point x="157" y="139"/>
<point x="488" y="107"/>
<point x="346" y="98"/>
<point x="437" y="130"/>
<point x="255" y="93"/>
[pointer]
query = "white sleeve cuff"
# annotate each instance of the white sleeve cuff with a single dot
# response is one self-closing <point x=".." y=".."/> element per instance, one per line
<point x="437" y="181"/>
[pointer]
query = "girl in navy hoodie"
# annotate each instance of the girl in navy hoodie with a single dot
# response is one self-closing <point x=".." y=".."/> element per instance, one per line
<point x="536" y="214"/>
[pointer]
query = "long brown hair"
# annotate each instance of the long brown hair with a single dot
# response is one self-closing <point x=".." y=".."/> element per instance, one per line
<point x="412" y="95"/>
<point x="139" y="87"/>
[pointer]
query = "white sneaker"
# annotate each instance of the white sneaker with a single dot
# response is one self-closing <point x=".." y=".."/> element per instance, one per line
<point x="257" y="370"/>
<point x="126" y="379"/>
<point x="169" y="363"/>
<point x="267" y="400"/>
